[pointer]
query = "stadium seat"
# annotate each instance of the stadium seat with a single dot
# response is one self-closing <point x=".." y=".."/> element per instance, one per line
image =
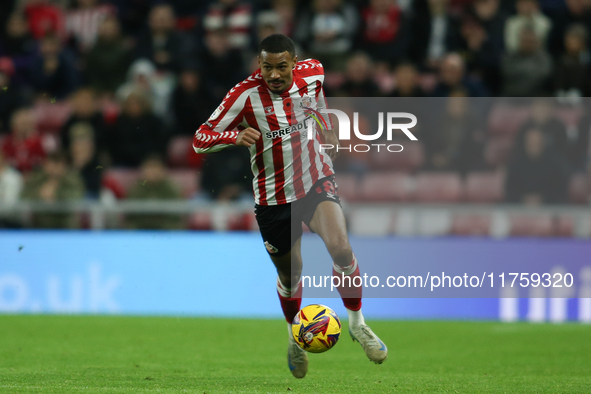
<point x="186" y="180"/>
<point x="507" y="119"/>
<point x="200" y="221"/>
<point x="386" y="187"/>
<point x="181" y="153"/>
<point x="410" y="159"/>
<point x="564" y="226"/>
<point x="51" y="117"/>
<point x="432" y="187"/>
<point x="485" y="187"/>
<point x="498" y="151"/>
<point x="241" y="221"/>
<point x="570" y="116"/>
<point x="121" y="179"/>
<point x="531" y="225"/>
<point x="471" y="224"/>
<point x="348" y="186"/>
<point x="579" y="189"/>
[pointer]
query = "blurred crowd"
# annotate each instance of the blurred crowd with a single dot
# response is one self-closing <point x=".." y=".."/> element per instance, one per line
<point x="88" y="86"/>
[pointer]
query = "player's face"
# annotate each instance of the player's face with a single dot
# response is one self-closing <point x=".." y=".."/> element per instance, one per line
<point x="277" y="70"/>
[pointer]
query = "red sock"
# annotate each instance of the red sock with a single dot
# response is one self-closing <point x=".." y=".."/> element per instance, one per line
<point x="290" y="299"/>
<point x="350" y="294"/>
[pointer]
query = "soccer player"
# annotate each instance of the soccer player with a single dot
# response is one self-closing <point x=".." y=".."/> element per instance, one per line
<point x="293" y="179"/>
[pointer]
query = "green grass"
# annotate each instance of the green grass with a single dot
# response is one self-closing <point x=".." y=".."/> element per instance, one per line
<point x="96" y="354"/>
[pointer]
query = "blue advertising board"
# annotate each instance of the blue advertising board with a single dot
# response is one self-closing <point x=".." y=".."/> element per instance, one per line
<point x="230" y="274"/>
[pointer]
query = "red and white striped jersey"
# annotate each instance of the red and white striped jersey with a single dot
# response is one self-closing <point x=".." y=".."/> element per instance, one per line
<point x="284" y="161"/>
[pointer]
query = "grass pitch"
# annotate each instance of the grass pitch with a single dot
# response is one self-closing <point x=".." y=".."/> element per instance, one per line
<point x="98" y="354"/>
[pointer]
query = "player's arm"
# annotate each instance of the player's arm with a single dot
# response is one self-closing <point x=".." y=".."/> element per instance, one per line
<point x="329" y="134"/>
<point x="220" y="131"/>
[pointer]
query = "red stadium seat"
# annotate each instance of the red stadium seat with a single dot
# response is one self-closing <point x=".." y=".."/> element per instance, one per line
<point x="438" y="187"/>
<point x="579" y="189"/>
<point x="123" y="178"/>
<point x="348" y="186"/>
<point x="564" y="226"/>
<point x="531" y="225"/>
<point x="485" y="187"/>
<point x="181" y="152"/>
<point x="507" y="119"/>
<point x="386" y="187"/>
<point x="51" y="117"/>
<point x="498" y="151"/>
<point x="186" y="180"/>
<point x="410" y="159"/>
<point x="467" y="224"/>
<point x="200" y="221"/>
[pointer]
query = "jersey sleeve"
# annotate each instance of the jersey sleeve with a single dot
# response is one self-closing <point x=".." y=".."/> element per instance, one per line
<point x="219" y="131"/>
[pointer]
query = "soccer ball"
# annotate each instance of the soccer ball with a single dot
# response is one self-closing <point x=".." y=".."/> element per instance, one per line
<point x="316" y="328"/>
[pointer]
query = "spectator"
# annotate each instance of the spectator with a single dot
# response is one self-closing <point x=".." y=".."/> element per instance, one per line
<point x="154" y="185"/>
<point x="359" y="77"/>
<point x="85" y="116"/>
<point x="543" y="119"/>
<point x="227" y="176"/>
<point x="84" y="21"/>
<point x="23" y="148"/>
<point x="55" y="182"/>
<point x="435" y="32"/>
<point x="191" y="103"/>
<point x="161" y="44"/>
<point x="137" y="132"/>
<point x="44" y="18"/>
<point x="157" y="87"/>
<point x="53" y="72"/>
<point x="528" y="14"/>
<point x="232" y="16"/>
<point x="327" y="31"/>
<point x="536" y="175"/>
<point x="222" y="66"/>
<point x="526" y="73"/>
<point x="85" y="158"/>
<point x="286" y="10"/>
<point x="572" y="72"/>
<point x="580" y="148"/>
<point x="11" y="183"/>
<point x="452" y="77"/>
<point x="268" y="23"/>
<point x="383" y="34"/>
<point x="18" y="42"/>
<point x="456" y="141"/>
<point x="6" y="8"/>
<point x="482" y="54"/>
<point x="489" y="15"/>
<point x="108" y="60"/>
<point x="10" y="97"/>
<point x="577" y="11"/>
<point x="407" y="81"/>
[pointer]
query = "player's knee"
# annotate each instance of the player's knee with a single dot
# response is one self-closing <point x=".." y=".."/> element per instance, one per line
<point x="341" y="253"/>
<point x="289" y="280"/>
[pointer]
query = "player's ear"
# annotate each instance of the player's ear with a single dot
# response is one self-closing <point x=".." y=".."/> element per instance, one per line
<point x="295" y="60"/>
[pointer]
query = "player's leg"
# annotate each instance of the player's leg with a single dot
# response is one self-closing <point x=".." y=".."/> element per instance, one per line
<point x="289" y="289"/>
<point x="328" y="221"/>
<point x="282" y="241"/>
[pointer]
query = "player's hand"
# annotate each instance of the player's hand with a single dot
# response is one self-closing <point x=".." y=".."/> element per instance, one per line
<point x="247" y="137"/>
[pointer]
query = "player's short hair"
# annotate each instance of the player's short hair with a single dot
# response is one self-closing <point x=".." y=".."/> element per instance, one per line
<point x="277" y="43"/>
